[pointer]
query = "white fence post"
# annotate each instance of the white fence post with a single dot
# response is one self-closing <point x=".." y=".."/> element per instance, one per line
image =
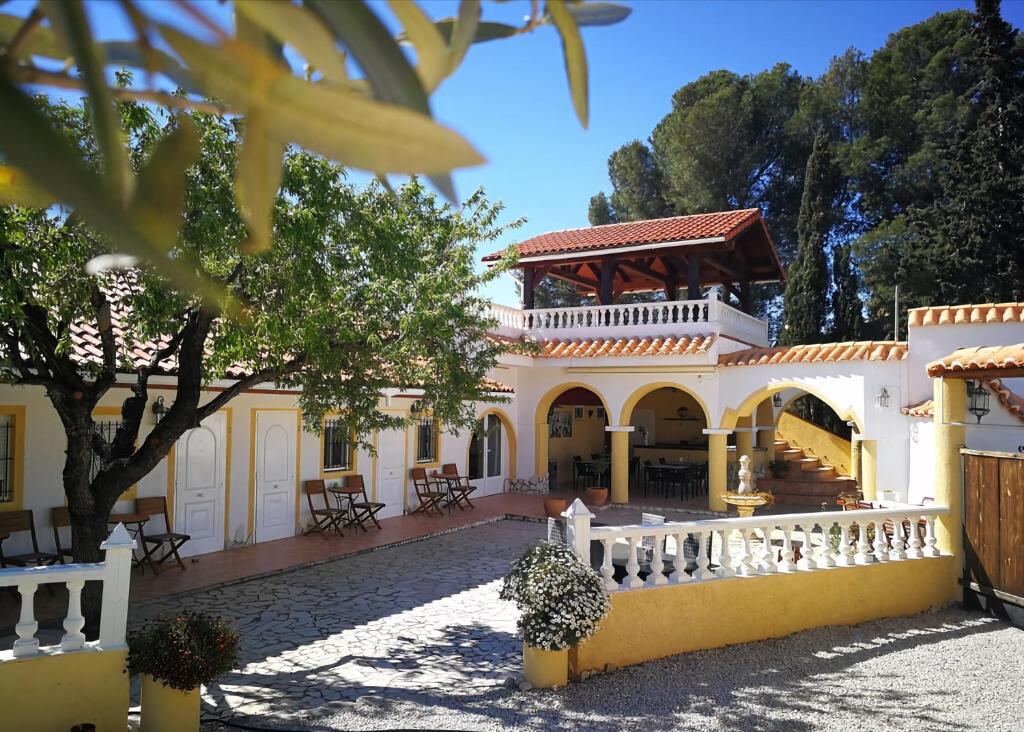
<point x="116" y="578"/>
<point x="577" y="523"/>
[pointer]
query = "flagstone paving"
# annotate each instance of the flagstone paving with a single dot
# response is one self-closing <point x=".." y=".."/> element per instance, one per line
<point x="409" y="623"/>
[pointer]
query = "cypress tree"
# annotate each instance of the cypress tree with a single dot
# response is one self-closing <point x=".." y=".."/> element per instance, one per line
<point x="847" y="318"/>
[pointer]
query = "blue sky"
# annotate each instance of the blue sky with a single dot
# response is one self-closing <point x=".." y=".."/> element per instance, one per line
<point x="510" y="97"/>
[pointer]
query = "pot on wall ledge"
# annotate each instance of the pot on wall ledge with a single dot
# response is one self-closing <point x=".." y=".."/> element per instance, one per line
<point x="596" y="497"/>
<point x="166" y="709"/>
<point x="553" y="506"/>
<point x="545" y="669"/>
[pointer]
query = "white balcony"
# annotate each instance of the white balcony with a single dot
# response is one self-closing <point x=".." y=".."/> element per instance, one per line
<point x="676" y="318"/>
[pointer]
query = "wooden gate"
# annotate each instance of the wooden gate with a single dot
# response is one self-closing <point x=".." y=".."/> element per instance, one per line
<point x="994" y="529"/>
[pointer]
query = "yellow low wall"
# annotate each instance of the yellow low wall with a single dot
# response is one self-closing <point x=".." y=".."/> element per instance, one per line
<point x="646" y="624"/>
<point x="816" y="442"/>
<point x="56" y="692"/>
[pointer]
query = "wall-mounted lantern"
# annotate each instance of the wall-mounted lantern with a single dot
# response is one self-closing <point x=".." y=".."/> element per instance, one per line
<point x="417" y="407"/>
<point x="777" y="399"/>
<point x="977" y="399"/>
<point x="883" y="398"/>
<point x="159" y="409"/>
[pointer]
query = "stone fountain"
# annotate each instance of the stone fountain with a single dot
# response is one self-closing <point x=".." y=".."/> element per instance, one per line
<point x="745" y="498"/>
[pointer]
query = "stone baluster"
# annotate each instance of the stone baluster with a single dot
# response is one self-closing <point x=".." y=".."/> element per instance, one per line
<point x="657" y="575"/>
<point x="745" y="567"/>
<point x="607" y="568"/>
<point x="914" y="544"/>
<point x="896" y="553"/>
<point x="786" y="561"/>
<point x="881" y="546"/>
<point x="703" y="560"/>
<point x="930" y="549"/>
<point x="863" y="555"/>
<point x="768" y="561"/>
<point x="680" y="574"/>
<point x="633" y="580"/>
<point x="725" y="568"/>
<point x="806" y="560"/>
<point x="27" y="644"/>
<point x="74" y="638"/>
<point x="823" y="557"/>
<point x="845" y="556"/>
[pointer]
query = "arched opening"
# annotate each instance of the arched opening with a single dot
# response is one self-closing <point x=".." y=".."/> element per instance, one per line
<point x="668" y="449"/>
<point x="576" y="445"/>
<point x="492" y="453"/>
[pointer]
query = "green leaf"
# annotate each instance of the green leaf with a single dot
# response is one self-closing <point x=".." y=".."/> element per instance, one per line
<point x="17" y="189"/>
<point x="485" y="30"/>
<point x="599" y="13"/>
<point x="42" y="41"/>
<point x="337" y="123"/>
<point x="302" y="30"/>
<point x="431" y="51"/>
<point x="257" y="178"/>
<point x="463" y="32"/>
<point x="575" y="57"/>
<point x="160" y="194"/>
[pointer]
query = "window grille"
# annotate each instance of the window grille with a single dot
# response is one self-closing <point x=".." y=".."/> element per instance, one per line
<point x="107" y="429"/>
<point x="426" y="440"/>
<point x="337" y="445"/>
<point x="6" y="459"/>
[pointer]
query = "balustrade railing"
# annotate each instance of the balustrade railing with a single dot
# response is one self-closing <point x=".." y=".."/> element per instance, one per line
<point x="114" y="572"/>
<point x="698" y="551"/>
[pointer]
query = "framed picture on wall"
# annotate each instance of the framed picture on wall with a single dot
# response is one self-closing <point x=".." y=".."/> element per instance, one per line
<point x="600" y="412"/>
<point x="561" y="425"/>
<point x="577" y="412"/>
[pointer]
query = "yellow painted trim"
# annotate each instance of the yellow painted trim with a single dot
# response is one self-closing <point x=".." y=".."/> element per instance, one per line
<point x="17" y="414"/>
<point x="510" y="430"/>
<point x="353" y="454"/>
<point x="747" y="406"/>
<point x="627" y="409"/>
<point x="540" y="421"/>
<point x="252" y="464"/>
<point x="133" y="490"/>
<point x="227" y="472"/>
<point x="171" y="459"/>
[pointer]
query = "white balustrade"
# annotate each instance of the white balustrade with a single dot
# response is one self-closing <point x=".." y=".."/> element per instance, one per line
<point x="114" y="572"/>
<point x="700" y="551"/>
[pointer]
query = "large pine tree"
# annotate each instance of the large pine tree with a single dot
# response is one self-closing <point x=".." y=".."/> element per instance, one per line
<point x="806" y="299"/>
<point x="600" y="212"/>
<point x="847" y="308"/>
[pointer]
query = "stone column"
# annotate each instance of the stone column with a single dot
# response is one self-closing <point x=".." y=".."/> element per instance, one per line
<point x="855" y="458"/>
<point x="718" y="457"/>
<point x="744" y="438"/>
<point x="869" y="470"/>
<point x="620" y="462"/>
<point x="950" y="398"/>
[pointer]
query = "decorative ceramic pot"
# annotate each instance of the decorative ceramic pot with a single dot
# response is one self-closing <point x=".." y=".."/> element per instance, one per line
<point x="553" y="506"/>
<point x="596" y="496"/>
<point x="545" y="669"/>
<point x="165" y="709"/>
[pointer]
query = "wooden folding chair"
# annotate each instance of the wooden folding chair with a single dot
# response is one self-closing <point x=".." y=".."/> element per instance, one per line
<point x="363" y="509"/>
<point x="426" y="491"/>
<point x="13" y="522"/>
<point x="61" y="518"/>
<point x="458" y="489"/>
<point x="171" y="541"/>
<point x="325" y="518"/>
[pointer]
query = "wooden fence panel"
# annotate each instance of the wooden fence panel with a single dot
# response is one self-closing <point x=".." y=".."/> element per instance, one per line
<point x="1011" y="530"/>
<point x="982" y="520"/>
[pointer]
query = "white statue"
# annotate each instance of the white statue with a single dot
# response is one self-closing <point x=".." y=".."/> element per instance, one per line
<point x="744" y="475"/>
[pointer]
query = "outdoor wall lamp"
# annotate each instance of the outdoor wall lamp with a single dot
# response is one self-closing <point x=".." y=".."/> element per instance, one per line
<point x="159" y="409"/>
<point x="777" y="399"/>
<point x="417" y="407"/>
<point x="978" y="397"/>
<point x="883" y="398"/>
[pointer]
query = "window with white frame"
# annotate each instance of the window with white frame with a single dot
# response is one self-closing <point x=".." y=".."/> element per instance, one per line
<point x="6" y="458"/>
<point x="337" y="445"/>
<point x="426" y="439"/>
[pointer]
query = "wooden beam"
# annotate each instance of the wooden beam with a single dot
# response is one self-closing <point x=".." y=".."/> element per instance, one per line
<point x="575" y="279"/>
<point x="723" y="268"/>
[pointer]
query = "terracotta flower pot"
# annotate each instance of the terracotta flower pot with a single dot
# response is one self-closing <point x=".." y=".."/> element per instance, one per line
<point x="553" y="506"/>
<point x="545" y="669"/>
<point x="165" y="709"/>
<point x="596" y="496"/>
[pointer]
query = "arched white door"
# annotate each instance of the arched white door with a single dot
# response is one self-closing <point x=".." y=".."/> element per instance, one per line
<point x="199" y="485"/>
<point x="488" y="456"/>
<point x="276" y="433"/>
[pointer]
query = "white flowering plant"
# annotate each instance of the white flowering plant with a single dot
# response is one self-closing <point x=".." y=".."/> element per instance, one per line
<point x="561" y="600"/>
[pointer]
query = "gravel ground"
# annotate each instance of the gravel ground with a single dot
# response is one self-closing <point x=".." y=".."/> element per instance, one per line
<point x="947" y="670"/>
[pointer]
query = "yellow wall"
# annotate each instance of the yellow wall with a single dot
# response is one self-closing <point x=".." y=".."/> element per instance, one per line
<point x="666" y="404"/>
<point x="653" y="623"/>
<point x="587" y="439"/>
<point x="817" y="442"/>
<point x="48" y="693"/>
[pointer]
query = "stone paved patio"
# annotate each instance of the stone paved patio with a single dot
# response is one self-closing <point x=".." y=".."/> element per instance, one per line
<point x="412" y="623"/>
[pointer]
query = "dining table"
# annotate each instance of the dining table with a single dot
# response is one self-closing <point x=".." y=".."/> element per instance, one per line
<point x="346" y="498"/>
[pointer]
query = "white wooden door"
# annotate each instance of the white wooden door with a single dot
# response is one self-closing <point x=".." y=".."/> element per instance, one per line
<point x="391" y="474"/>
<point x="489" y="458"/>
<point x="199" y="485"/>
<point x="276" y="433"/>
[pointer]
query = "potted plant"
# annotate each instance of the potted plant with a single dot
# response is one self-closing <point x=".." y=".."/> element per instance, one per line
<point x="176" y="655"/>
<point x="596" y="496"/>
<point x="778" y="468"/>
<point x="561" y="601"/>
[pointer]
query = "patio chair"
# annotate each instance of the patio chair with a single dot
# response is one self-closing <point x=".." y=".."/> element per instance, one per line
<point x="60" y="516"/>
<point x="15" y="522"/>
<point x="324" y="519"/>
<point x="460" y="489"/>
<point x="170" y="541"/>
<point x="363" y="510"/>
<point x="582" y="472"/>
<point x="427" y="492"/>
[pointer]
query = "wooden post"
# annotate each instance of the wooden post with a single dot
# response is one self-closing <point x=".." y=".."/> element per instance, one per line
<point x="693" y="264"/>
<point x="746" y="301"/>
<point x="605" y="294"/>
<point x="529" y="281"/>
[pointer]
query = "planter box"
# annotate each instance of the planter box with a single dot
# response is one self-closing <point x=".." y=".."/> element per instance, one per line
<point x="545" y="669"/>
<point x="165" y="709"/>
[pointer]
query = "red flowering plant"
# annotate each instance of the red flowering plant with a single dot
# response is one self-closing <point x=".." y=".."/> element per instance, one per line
<point x="184" y="651"/>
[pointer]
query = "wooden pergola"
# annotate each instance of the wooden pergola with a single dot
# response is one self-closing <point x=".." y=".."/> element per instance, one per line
<point x="732" y="249"/>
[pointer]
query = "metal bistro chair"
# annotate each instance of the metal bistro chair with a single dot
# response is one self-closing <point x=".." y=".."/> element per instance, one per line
<point x="582" y="472"/>
<point x="169" y="541"/>
<point x="458" y="489"/>
<point x="363" y="509"/>
<point x="60" y="516"/>
<point x="324" y="519"/>
<point x="427" y="492"/>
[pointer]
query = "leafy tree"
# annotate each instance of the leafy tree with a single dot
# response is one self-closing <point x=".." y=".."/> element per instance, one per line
<point x="846" y="306"/>
<point x="361" y="290"/>
<point x="600" y="212"/>
<point x="638" y="187"/>
<point x="805" y="301"/>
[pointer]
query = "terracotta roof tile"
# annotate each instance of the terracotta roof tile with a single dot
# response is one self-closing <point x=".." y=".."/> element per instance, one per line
<point x="818" y="353"/>
<point x="497" y="386"/>
<point x="921" y="409"/>
<point x="623" y="347"/>
<point x="991" y="358"/>
<point x="1006" y="312"/>
<point x="725" y="225"/>
<point x="1013" y="403"/>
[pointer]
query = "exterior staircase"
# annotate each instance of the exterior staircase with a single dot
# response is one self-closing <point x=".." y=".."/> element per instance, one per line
<point x="807" y="481"/>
